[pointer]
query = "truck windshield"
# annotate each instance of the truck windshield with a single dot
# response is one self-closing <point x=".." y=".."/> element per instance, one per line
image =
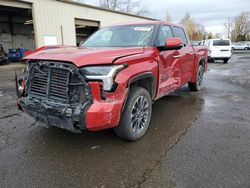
<point x="121" y="36"/>
<point x="221" y="43"/>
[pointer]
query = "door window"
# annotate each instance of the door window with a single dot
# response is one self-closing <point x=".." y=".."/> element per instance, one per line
<point x="179" y="32"/>
<point x="165" y="32"/>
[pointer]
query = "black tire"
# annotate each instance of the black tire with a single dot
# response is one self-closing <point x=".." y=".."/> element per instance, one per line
<point x="198" y="84"/>
<point x="133" y="116"/>
<point x="225" y="61"/>
<point x="211" y="60"/>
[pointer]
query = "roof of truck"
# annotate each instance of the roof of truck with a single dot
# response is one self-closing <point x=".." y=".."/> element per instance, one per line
<point x="146" y="22"/>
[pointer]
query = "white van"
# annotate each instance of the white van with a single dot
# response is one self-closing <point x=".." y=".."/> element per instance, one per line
<point x="219" y="49"/>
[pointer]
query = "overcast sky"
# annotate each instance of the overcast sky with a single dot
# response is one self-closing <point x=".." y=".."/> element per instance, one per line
<point x="211" y="13"/>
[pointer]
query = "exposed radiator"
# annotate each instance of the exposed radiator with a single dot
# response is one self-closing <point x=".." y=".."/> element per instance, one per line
<point x="56" y="84"/>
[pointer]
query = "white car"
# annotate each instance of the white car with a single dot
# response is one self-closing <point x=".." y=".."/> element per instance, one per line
<point x="240" y="46"/>
<point x="219" y="49"/>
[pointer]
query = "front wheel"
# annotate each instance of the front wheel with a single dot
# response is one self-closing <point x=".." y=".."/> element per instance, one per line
<point x="136" y="115"/>
<point x="198" y="84"/>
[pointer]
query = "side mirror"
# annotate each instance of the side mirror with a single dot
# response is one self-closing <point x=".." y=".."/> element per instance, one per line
<point x="173" y="44"/>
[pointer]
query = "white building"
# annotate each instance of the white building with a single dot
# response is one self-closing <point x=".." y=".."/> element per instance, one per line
<point x="31" y="24"/>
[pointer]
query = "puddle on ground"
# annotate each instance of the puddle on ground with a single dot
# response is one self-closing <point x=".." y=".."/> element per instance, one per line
<point x="221" y="72"/>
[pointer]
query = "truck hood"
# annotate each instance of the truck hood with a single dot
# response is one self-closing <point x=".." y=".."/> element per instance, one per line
<point x="85" y="56"/>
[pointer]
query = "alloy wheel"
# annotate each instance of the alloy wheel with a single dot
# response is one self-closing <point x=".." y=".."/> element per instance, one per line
<point x="139" y="115"/>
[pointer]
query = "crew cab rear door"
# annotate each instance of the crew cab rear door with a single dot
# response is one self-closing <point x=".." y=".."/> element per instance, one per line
<point x="186" y="55"/>
<point x="169" y="65"/>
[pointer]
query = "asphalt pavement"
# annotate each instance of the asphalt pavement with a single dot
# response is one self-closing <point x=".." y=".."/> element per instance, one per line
<point x="196" y="139"/>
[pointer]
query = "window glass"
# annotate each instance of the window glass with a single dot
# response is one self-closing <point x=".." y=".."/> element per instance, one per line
<point x="221" y="43"/>
<point x="121" y="36"/>
<point x="165" y="32"/>
<point x="207" y="43"/>
<point x="179" y="32"/>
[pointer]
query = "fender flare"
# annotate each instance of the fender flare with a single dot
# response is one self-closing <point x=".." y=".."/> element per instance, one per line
<point x="142" y="76"/>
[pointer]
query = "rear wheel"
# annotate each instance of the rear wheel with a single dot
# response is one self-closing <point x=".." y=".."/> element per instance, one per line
<point x="136" y="115"/>
<point x="211" y="60"/>
<point x="198" y="84"/>
<point x="225" y="60"/>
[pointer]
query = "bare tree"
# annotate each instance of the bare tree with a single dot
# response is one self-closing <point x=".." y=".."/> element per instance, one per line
<point x="142" y="11"/>
<point x="238" y="28"/>
<point x="228" y="26"/>
<point x="200" y="33"/>
<point x="168" y="17"/>
<point x="189" y="25"/>
<point x="210" y="35"/>
<point x="128" y="6"/>
<point x="241" y="30"/>
<point x="111" y="4"/>
<point x="194" y="30"/>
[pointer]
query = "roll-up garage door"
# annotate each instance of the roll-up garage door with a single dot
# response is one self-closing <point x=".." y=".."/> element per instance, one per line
<point x="84" y="28"/>
<point x="88" y="23"/>
<point x="17" y="4"/>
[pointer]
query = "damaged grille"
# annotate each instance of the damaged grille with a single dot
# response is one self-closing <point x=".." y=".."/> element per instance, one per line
<point x="39" y="82"/>
<point x="57" y="82"/>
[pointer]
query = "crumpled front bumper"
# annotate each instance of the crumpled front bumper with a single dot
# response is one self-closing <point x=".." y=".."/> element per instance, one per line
<point x="105" y="113"/>
<point x="96" y="114"/>
<point x="55" y="114"/>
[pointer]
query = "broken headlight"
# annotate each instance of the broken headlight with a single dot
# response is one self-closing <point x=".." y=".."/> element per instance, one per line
<point x="21" y="82"/>
<point x="104" y="73"/>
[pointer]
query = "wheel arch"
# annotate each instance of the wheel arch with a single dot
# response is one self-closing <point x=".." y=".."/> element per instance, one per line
<point x="145" y="80"/>
<point x="202" y="62"/>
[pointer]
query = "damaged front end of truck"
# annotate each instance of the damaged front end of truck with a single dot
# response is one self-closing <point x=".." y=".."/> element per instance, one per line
<point x="54" y="94"/>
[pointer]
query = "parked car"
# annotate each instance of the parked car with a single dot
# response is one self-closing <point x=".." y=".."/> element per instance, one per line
<point x="3" y="56"/>
<point x="219" y="49"/>
<point x="112" y="80"/>
<point x="202" y="42"/>
<point x="196" y="43"/>
<point x="240" y="46"/>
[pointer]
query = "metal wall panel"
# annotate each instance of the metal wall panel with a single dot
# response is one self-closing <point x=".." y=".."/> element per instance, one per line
<point x="55" y="18"/>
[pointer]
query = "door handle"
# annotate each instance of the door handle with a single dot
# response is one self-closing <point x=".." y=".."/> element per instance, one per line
<point x="177" y="56"/>
<point x="191" y="53"/>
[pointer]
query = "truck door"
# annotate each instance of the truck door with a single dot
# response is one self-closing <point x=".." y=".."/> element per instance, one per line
<point x="186" y="56"/>
<point x="169" y="67"/>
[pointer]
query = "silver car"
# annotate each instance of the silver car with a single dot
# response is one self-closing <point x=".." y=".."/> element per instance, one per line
<point x="240" y="46"/>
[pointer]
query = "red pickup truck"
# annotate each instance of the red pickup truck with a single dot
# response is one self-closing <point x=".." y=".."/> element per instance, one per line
<point x="112" y="79"/>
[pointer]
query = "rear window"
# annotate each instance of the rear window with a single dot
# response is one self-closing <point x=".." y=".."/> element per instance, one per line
<point x="221" y="43"/>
